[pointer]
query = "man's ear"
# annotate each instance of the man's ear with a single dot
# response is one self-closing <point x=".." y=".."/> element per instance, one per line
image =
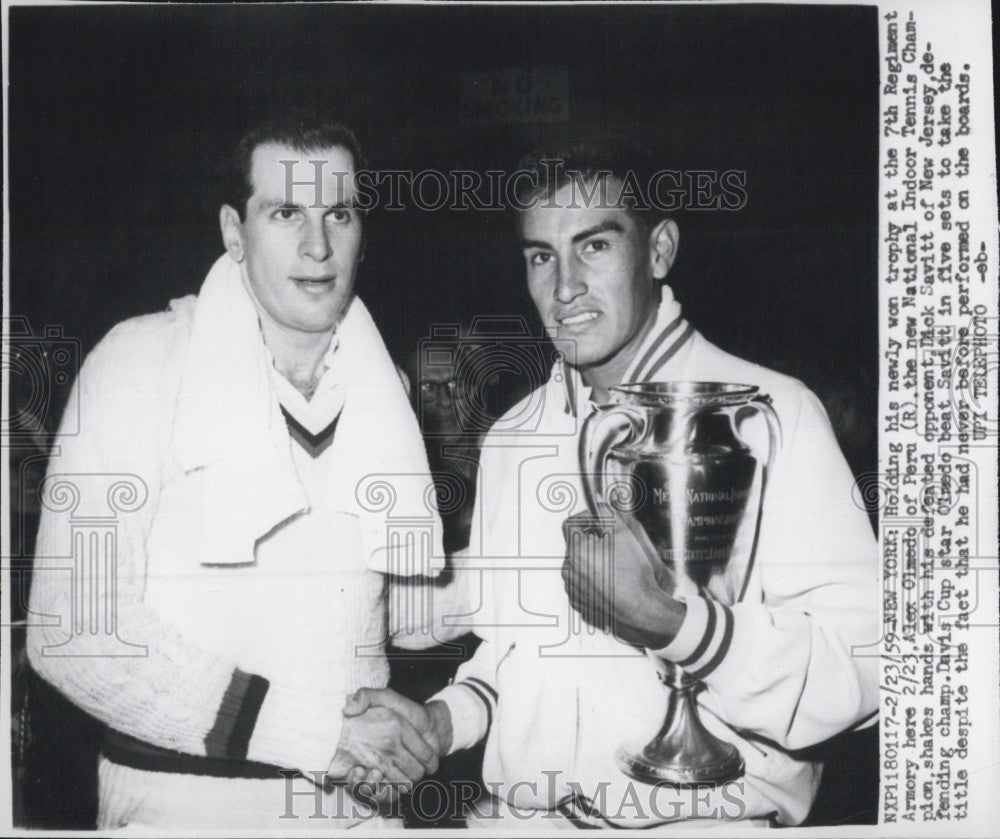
<point x="663" y="247"/>
<point x="232" y="232"/>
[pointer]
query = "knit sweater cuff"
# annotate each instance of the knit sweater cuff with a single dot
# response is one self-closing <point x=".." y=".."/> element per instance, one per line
<point x="471" y="707"/>
<point x="237" y="716"/>
<point x="296" y="729"/>
<point x="703" y="639"/>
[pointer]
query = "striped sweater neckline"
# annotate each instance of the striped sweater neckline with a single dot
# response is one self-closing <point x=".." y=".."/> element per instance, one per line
<point x="662" y="344"/>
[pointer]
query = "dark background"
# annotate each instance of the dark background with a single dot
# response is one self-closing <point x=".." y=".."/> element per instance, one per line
<point x="119" y="116"/>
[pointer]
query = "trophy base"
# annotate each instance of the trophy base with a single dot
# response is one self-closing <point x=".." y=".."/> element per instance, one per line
<point x="684" y="753"/>
<point x="642" y="762"/>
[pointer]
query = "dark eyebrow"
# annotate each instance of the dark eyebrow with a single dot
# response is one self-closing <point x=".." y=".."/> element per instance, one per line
<point x="603" y="227"/>
<point x="286" y="205"/>
<point x="283" y="205"/>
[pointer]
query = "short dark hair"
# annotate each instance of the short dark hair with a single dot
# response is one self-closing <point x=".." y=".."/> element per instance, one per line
<point x="304" y="131"/>
<point x="584" y="160"/>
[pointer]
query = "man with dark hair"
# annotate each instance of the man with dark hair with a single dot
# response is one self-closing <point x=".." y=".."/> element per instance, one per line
<point x="300" y="130"/>
<point x="772" y="637"/>
<point x="589" y="169"/>
<point x="242" y="594"/>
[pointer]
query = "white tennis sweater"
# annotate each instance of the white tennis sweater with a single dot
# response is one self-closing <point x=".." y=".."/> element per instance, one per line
<point x="234" y="599"/>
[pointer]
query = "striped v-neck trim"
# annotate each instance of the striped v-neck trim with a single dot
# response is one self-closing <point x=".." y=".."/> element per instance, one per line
<point x="664" y="346"/>
<point x="314" y="444"/>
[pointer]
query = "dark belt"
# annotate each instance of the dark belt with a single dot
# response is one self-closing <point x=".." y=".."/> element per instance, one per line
<point x="136" y="754"/>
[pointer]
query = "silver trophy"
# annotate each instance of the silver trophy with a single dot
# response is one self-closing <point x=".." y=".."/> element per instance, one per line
<point x="669" y="455"/>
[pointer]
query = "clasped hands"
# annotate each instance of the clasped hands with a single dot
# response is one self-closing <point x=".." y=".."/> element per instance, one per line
<point x="387" y="739"/>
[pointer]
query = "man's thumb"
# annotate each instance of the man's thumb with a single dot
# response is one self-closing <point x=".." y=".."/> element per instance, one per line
<point x="357" y="703"/>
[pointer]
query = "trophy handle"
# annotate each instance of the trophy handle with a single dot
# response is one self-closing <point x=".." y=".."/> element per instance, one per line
<point x="607" y="426"/>
<point x="763" y="405"/>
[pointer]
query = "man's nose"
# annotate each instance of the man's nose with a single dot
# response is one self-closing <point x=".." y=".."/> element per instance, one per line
<point x="316" y="242"/>
<point x="569" y="283"/>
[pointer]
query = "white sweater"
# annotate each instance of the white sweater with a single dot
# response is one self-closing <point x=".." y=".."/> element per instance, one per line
<point x="241" y="601"/>
<point x="559" y="697"/>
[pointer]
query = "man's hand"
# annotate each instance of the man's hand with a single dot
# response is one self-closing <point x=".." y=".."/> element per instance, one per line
<point x="440" y="716"/>
<point x="615" y="580"/>
<point x="379" y="735"/>
<point x="432" y="720"/>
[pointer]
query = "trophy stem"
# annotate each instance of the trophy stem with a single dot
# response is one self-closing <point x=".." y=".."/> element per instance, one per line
<point x="684" y="752"/>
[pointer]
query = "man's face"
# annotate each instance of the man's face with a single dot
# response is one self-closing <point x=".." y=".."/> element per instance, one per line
<point x="301" y="239"/>
<point x="435" y="392"/>
<point x="593" y="274"/>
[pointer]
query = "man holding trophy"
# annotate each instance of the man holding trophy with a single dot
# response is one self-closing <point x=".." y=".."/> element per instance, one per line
<point x="689" y="561"/>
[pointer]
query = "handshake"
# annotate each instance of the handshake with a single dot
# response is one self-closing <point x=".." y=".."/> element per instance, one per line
<point x="389" y="739"/>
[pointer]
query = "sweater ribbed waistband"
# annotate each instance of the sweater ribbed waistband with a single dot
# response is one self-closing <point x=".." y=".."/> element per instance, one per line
<point x="137" y="754"/>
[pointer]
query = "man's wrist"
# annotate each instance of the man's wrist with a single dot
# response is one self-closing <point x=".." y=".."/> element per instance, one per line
<point x="694" y="638"/>
<point x="296" y="729"/>
<point x="667" y="623"/>
<point x="441" y="720"/>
